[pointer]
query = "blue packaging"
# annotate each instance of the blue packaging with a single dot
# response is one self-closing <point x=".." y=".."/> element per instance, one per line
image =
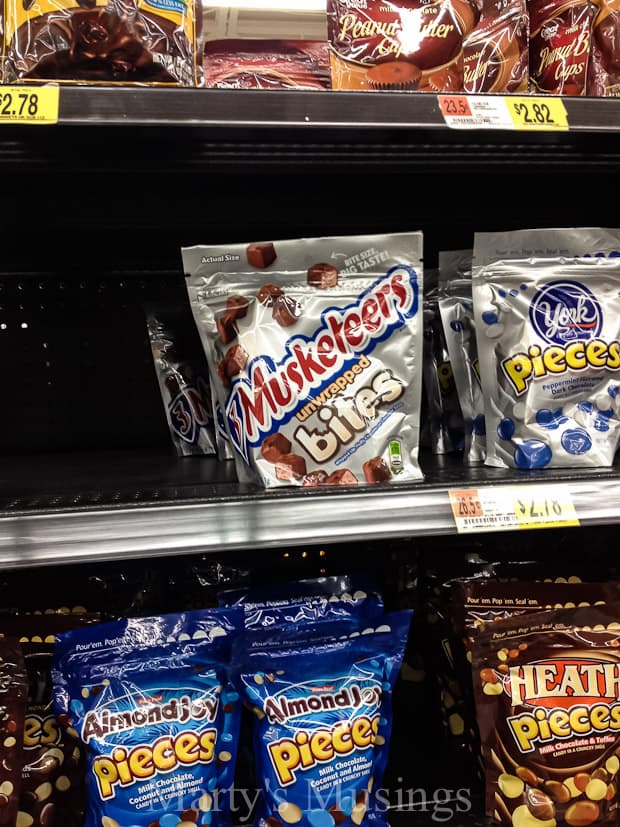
<point x="303" y="601"/>
<point x="322" y="696"/>
<point x="151" y="701"/>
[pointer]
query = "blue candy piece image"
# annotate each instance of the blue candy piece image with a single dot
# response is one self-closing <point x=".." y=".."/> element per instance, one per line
<point x="457" y="325"/>
<point x="169" y="820"/>
<point x="550" y="419"/>
<point x="586" y="407"/>
<point x="576" y="441"/>
<point x="479" y="426"/>
<point x="532" y="454"/>
<point x="489" y="317"/>
<point x="601" y="423"/>
<point x="320" y="818"/>
<point x="613" y="391"/>
<point x="506" y="429"/>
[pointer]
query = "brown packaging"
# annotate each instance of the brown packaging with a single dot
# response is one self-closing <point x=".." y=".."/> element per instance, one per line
<point x="547" y="687"/>
<point x="13" y="694"/>
<point x="495" y="54"/>
<point x="52" y="782"/>
<point x="405" y="45"/>
<point x="604" y="68"/>
<point x="560" y="37"/>
<point x="477" y="605"/>
<point x="134" y="42"/>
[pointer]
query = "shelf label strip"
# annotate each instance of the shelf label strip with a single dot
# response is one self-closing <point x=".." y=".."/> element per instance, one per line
<point x="509" y="112"/>
<point x="29" y="104"/>
<point x="507" y="508"/>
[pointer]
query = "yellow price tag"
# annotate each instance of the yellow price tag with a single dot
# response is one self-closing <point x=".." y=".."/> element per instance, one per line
<point x="537" y="506"/>
<point x="509" y="508"/>
<point x="537" y="113"/>
<point x="29" y="104"/>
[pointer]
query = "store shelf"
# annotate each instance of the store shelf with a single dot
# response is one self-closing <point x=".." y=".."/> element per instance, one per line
<point x="101" y="507"/>
<point x="276" y="109"/>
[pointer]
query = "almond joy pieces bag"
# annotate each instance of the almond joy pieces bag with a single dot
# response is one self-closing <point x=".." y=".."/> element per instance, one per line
<point x="315" y="349"/>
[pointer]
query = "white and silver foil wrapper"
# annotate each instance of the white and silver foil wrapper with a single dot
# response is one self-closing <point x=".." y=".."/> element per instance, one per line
<point x="339" y="401"/>
<point x="547" y="306"/>
<point x="459" y="326"/>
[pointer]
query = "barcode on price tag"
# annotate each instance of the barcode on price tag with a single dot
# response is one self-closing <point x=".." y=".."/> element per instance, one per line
<point x="503" y="112"/>
<point x="506" y="508"/>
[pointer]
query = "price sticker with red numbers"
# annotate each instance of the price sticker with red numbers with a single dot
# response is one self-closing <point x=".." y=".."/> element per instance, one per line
<point x="506" y="508"/>
<point x="29" y="104"/>
<point x="503" y="112"/>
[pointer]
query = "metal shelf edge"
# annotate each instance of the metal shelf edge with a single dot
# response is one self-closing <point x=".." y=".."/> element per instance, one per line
<point x="257" y="522"/>
<point x="82" y="105"/>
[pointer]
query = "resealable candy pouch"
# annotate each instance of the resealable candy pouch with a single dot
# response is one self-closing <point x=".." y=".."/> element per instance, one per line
<point x="442" y="402"/>
<point x="302" y="601"/>
<point x="547" y="307"/>
<point x="151" y="701"/>
<point x="315" y="352"/>
<point x="52" y="770"/>
<point x="322" y="698"/>
<point x="457" y="315"/>
<point x="183" y="379"/>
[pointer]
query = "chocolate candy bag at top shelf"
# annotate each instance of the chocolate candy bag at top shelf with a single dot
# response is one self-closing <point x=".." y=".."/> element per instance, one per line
<point x="385" y="45"/>
<point x="323" y="704"/>
<point x="548" y="328"/>
<point x="495" y="53"/>
<point x="443" y="408"/>
<point x="457" y="315"/>
<point x="604" y="66"/>
<point x="560" y="45"/>
<point x="317" y="346"/>
<point x="52" y="788"/>
<point x="119" y="41"/>
<point x="547" y="704"/>
<point x="305" y="601"/>
<point x="151" y="701"/>
<point x="182" y="375"/>
<point x="13" y="696"/>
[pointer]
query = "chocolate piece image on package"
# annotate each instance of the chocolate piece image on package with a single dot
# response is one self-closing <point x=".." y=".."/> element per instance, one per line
<point x="119" y="42"/>
<point x="182" y="374"/>
<point x="549" y="718"/>
<point x="447" y="430"/>
<point x="548" y="337"/>
<point x="457" y="315"/>
<point x="321" y="383"/>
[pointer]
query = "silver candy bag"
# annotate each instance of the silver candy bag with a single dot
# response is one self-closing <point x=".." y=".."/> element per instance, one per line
<point x="457" y="315"/>
<point x="317" y="346"/>
<point x="547" y="306"/>
<point x="446" y="428"/>
<point x="182" y="376"/>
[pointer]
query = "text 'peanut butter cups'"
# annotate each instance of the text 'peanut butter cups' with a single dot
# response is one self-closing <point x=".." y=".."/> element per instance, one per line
<point x="405" y="45"/>
<point x="547" y="687"/>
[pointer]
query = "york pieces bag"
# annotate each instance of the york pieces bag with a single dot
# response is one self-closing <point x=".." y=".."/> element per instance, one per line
<point x="547" y="309"/>
<point x="316" y="350"/>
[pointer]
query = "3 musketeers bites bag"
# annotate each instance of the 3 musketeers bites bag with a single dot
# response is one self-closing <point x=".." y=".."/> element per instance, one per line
<point x="314" y="348"/>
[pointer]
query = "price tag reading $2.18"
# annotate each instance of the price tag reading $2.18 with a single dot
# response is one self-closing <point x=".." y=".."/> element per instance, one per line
<point x="506" y="508"/>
